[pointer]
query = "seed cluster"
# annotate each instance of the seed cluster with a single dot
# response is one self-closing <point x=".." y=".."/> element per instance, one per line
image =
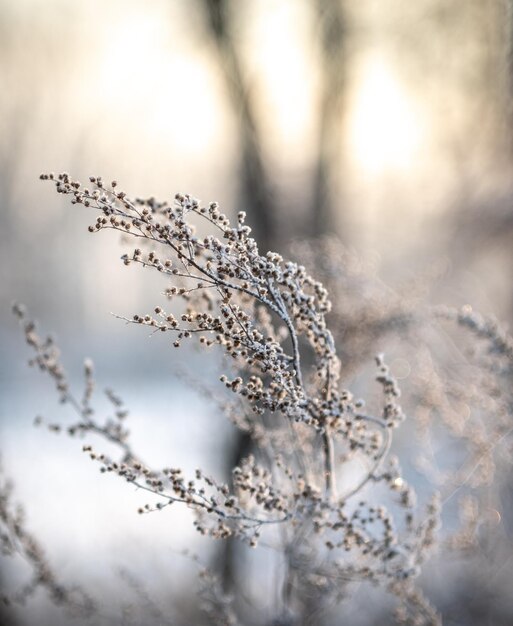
<point x="47" y="359"/>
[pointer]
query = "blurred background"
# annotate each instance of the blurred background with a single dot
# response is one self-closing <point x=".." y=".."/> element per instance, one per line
<point x="385" y="123"/>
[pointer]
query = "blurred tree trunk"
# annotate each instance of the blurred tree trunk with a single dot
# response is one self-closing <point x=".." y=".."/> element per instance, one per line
<point x="509" y="69"/>
<point x="333" y="49"/>
<point x="254" y="196"/>
<point x="255" y="186"/>
<point x="509" y="43"/>
<point x="326" y="201"/>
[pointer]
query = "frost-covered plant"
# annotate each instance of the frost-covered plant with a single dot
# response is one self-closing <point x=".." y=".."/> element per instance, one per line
<point x="17" y="541"/>
<point x="268" y="316"/>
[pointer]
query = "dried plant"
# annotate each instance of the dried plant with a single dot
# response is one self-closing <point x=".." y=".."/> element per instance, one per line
<point x="297" y="492"/>
<point x="19" y="543"/>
